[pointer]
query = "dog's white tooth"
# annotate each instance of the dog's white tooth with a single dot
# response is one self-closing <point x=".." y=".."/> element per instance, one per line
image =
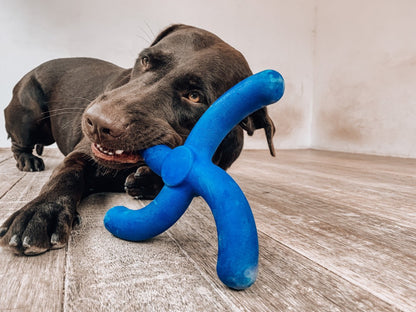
<point x="98" y="145"/>
<point x="110" y="153"/>
<point x="119" y="152"/>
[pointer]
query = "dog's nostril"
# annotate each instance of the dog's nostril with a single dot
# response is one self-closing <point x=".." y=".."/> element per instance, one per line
<point x="102" y="126"/>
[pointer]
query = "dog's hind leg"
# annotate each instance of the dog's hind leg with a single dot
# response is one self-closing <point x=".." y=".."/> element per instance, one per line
<point x="27" y="124"/>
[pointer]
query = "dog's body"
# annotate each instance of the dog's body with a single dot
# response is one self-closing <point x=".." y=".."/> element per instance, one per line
<point x="101" y="115"/>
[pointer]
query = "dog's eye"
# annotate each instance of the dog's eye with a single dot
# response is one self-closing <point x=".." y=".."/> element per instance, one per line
<point x="194" y="97"/>
<point x="145" y="61"/>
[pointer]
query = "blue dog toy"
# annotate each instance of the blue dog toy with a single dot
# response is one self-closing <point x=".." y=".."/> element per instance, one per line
<point x="188" y="171"/>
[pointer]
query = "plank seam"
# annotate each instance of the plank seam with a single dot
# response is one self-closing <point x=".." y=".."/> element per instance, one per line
<point x="333" y="270"/>
<point x="12" y="186"/>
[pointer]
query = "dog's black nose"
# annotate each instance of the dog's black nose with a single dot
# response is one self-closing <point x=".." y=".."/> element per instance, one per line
<point x="101" y="126"/>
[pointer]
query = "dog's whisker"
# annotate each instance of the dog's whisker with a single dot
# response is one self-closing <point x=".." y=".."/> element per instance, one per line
<point x="69" y="125"/>
<point x="83" y="98"/>
<point x="143" y="38"/>
<point x="67" y="109"/>
<point x="146" y="33"/>
<point x="54" y="115"/>
<point x="150" y="29"/>
<point x="76" y="97"/>
<point x="60" y="112"/>
<point x="146" y="36"/>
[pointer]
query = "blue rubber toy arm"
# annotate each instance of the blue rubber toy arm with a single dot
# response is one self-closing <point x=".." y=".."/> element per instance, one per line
<point x="152" y="220"/>
<point x="244" y="98"/>
<point x="237" y="262"/>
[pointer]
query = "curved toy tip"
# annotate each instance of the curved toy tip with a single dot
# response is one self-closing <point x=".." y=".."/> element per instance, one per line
<point x="277" y="83"/>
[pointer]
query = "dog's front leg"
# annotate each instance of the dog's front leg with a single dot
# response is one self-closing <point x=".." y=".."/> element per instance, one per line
<point x="45" y="222"/>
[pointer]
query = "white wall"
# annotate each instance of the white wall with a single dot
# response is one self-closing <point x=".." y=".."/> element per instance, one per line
<point x="365" y="77"/>
<point x="349" y="66"/>
<point x="265" y="31"/>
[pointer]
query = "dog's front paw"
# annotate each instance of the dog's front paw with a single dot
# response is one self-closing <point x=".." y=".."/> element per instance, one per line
<point x="29" y="162"/>
<point x="36" y="228"/>
<point x="143" y="184"/>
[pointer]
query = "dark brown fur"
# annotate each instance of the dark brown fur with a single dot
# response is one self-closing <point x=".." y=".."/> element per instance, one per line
<point x="78" y="102"/>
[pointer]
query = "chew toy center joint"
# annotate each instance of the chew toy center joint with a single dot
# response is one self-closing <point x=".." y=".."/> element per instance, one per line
<point x="177" y="166"/>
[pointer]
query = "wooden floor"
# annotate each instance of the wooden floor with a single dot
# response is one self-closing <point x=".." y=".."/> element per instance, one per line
<point x="337" y="232"/>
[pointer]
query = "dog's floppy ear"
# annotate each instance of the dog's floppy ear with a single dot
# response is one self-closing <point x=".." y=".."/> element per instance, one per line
<point x="168" y="31"/>
<point x="257" y="120"/>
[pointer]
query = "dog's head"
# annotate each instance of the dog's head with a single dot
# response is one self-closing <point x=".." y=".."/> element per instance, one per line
<point x="171" y="85"/>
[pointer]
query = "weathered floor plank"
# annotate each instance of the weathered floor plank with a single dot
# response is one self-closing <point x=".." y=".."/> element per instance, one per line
<point x="9" y="175"/>
<point x="28" y="283"/>
<point x="337" y="232"/>
<point x="287" y="279"/>
<point x="107" y="274"/>
<point x="344" y="221"/>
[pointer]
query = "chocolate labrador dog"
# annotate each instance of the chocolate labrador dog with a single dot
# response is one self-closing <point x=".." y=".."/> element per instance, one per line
<point x="101" y="116"/>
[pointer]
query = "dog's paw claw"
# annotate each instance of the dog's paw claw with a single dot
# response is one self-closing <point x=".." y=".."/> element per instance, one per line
<point x="57" y="242"/>
<point x="14" y="241"/>
<point x="26" y="242"/>
<point x="54" y="239"/>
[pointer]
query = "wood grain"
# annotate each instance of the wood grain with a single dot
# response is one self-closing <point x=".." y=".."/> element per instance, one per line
<point x="344" y="216"/>
<point x="287" y="279"/>
<point x="105" y="273"/>
<point x="337" y="232"/>
<point x="28" y="283"/>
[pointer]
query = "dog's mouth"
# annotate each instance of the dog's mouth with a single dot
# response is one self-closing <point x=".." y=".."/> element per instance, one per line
<point x="116" y="156"/>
